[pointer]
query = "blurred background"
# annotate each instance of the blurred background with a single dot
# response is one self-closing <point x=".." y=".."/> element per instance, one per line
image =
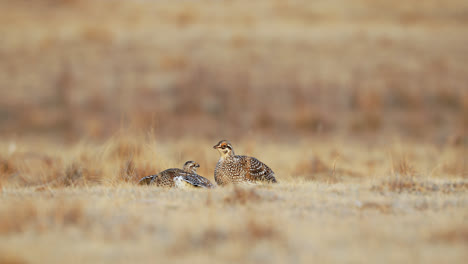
<point x="363" y="69"/>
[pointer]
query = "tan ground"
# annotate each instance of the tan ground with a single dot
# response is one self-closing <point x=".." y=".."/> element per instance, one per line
<point x="334" y="203"/>
<point x="359" y="106"/>
<point x="309" y="222"/>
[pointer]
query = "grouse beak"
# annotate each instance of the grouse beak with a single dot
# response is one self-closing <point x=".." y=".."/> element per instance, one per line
<point x="197" y="165"/>
<point x="215" y="146"/>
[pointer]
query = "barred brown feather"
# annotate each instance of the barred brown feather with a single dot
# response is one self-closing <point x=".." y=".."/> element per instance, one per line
<point x="166" y="178"/>
<point x="188" y="175"/>
<point x="146" y="180"/>
<point x="237" y="169"/>
<point x="193" y="180"/>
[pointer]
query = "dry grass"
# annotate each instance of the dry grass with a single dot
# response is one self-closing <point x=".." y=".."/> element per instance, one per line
<point x="308" y="222"/>
<point x="85" y="68"/>
<point x="407" y="203"/>
<point x="39" y="164"/>
<point x="360" y="107"/>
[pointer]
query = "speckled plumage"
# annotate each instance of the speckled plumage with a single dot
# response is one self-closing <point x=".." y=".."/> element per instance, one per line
<point x="168" y="177"/>
<point x="192" y="181"/>
<point x="238" y="169"/>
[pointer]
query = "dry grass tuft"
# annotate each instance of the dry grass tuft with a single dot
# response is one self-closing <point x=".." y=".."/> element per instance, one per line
<point x="132" y="173"/>
<point x="403" y="179"/>
<point x="73" y="174"/>
<point x="128" y="172"/>
<point x="403" y="167"/>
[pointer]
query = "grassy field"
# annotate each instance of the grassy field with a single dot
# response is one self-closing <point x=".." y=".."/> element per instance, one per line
<point x="335" y="203"/>
<point x="359" y="106"/>
<point x="291" y="222"/>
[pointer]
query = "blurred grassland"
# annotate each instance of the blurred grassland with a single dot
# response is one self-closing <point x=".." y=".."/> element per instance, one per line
<point x="80" y="68"/>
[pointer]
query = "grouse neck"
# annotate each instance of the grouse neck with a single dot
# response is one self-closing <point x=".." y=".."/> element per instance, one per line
<point x="226" y="156"/>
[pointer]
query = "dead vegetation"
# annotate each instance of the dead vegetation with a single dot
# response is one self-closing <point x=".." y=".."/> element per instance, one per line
<point x="412" y="85"/>
<point x="238" y="224"/>
<point x="405" y="178"/>
<point x="360" y="107"/>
